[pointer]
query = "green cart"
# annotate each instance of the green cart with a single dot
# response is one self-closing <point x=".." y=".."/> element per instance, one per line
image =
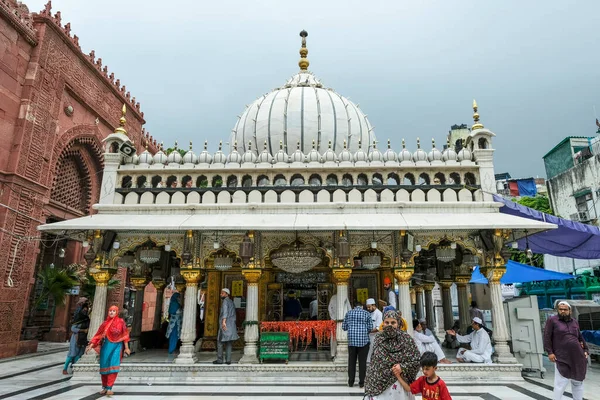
<point x="274" y="346"/>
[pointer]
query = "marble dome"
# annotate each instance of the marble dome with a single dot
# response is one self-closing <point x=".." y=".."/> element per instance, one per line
<point x="303" y="110"/>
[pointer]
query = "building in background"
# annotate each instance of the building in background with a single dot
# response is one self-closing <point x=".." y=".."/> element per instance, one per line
<point x="573" y="178"/>
<point x="57" y="104"/>
<point x="519" y="187"/>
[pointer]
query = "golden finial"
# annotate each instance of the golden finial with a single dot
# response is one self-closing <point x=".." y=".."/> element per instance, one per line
<point x="330" y="144"/>
<point x="359" y="144"/>
<point x="220" y="145"/>
<point x="374" y="144"/>
<point x="313" y="144"/>
<point x="235" y="146"/>
<point x="122" y="121"/>
<point x="303" y="63"/>
<point x="345" y="144"/>
<point x="298" y="145"/>
<point x="265" y="146"/>
<point x="477" y="124"/>
<point x="249" y="146"/>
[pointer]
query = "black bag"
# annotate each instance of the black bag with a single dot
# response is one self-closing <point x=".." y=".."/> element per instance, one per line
<point x="82" y="339"/>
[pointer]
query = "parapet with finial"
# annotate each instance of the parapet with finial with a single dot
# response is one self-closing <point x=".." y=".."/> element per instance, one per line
<point x="55" y="21"/>
<point x="17" y="15"/>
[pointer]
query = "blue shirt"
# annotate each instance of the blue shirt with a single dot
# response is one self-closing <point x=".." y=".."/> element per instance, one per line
<point x="358" y="323"/>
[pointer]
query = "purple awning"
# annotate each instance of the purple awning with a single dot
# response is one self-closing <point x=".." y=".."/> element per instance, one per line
<point x="570" y="239"/>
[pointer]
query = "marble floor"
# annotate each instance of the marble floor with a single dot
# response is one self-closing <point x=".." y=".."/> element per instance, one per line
<point x="41" y="378"/>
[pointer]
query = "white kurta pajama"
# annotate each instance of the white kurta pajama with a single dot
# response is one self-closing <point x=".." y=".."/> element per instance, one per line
<point x="481" y="347"/>
<point x="428" y="343"/>
<point x="377" y="318"/>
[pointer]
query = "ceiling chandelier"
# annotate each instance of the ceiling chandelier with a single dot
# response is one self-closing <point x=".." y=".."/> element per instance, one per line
<point x="296" y="258"/>
<point x="223" y="263"/>
<point x="371" y="261"/>
<point x="150" y="256"/>
<point x="445" y="253"/>
<point x="470" y="260"/>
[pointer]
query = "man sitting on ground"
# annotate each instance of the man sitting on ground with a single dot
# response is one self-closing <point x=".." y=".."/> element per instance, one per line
<point x="481" y="345"/>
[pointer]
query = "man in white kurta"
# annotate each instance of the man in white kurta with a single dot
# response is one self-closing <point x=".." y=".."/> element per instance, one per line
<point x="377" y="318"/>
<point x="481" y="345"/>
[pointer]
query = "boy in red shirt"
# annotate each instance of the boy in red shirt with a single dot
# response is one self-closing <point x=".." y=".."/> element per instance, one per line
<point x="431" y="386"/>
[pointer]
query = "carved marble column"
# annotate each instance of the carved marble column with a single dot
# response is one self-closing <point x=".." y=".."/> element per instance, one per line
<point x="341" y="277"/>
<point x="403" y="277"/>
<point x="159" y="285"/>
<point x="500" y="327"/>
<point x="252" y="276"/>
<point x="420" y="307"/>
<point x="429" y="316"/>
<point x="188" y="329"/>
<point x="98" y="309"/>
<point x="447" y="304"/>
<point x="139" y="283"/>
<point x="463" y="302"/>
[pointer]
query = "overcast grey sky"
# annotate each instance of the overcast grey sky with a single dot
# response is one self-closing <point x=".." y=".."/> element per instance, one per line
<point x="413" y="66"/>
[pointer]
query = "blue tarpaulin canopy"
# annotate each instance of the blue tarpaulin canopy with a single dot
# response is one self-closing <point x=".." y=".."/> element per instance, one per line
<point x="570" y="239"/>
<point x="521" y="273"/>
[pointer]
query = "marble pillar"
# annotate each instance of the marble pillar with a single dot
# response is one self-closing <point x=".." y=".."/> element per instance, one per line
<point x="252" y="276"/>
<point x="98" y="314"/>
<point x="420" y="307"/>
<point x="463" y="302"/>
<point x="500" y="327"/>
<point x="403" y="277"/>
<point x="159" y="285"/>
<point x="447" y="304"/>
<point x="139" y="283"/>
<point x="429" y="314"/>
<point x="341" y="277"/>
<point x="188" y="328"/>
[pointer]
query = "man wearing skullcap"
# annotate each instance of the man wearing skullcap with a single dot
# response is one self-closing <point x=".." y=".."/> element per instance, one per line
<point x="227" y="328"/>
<point x="390" y="294"/>
<point x="568" y="351"/>
<point x="481" y="345"/>
<point x="377" y="318"/>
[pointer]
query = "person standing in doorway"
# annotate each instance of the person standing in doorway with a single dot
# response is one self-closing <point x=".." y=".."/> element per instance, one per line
<point x="474" y="311"/>
<point x="568" y="351"/>
<point x="390" y="294"/>
<point x="377" y="318"/>
<point x="313" y="309"/>
<point x="358" y="323"/>
<point x="227" y="328"/>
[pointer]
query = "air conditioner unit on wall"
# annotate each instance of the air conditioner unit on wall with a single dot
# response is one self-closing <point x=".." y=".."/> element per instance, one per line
<point x="584" y="216"/>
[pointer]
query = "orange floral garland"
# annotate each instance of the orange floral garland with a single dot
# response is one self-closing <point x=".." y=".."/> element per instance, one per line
<point x="302" y="331"/>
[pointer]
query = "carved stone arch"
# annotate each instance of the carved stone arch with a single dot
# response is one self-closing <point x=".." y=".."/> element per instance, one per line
<point x="132" y="243"/>
<point x="76" y="179"/>
<point x="208" y="261"/>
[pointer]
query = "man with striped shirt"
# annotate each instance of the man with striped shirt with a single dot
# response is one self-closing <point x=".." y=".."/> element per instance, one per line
<point x="358" y="323"/>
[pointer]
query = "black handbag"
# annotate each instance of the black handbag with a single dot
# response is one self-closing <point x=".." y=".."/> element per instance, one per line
<point x="82" y="339"/>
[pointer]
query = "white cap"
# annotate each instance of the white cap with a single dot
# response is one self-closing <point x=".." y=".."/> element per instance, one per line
<point x="564" y="303"/>
<point x="226" y="291"/>
<point x="478" y="320"/>
<point x="370" y="302"/>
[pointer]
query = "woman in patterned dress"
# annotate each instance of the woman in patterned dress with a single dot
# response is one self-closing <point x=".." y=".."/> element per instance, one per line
<point x="110" y="341"/>
<point x="391" y="346"/>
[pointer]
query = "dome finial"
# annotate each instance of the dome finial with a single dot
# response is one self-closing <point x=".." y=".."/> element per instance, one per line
<point x="175" y="145"/>
<point x="477" y="124"/>
<point x="359" y="144"/>
<point x="389" y="144"/>
<point x="303" y="63"/>
<point x="250" y="146"/>
<point x="265" y="146"/>
<point x="403" y="143"/>
<point x="433" y="143"/>
<point x="190" y="145"/>
<point x="122" y="121"/>
<point x="330" y="144"/>
<point x="345" y="146"/>
<point x="161" y="146"/>
<point x="235" y="146"/>
<point x="205" y="145"/>
<point x="281" y="145"/>
<point x="418" y="143"/>
<point x="313" y="144"/>
<point x="220" y="145"/>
